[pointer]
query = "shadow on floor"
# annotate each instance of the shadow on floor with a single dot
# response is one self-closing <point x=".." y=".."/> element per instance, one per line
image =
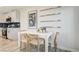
<point x="42" y="49"/>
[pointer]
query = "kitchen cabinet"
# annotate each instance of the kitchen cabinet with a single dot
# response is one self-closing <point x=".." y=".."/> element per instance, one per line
<point x="12" y="33"/>
<point x="0" y="31"/>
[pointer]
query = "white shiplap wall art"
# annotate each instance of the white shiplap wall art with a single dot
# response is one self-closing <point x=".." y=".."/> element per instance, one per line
<point x="51" y="19"/>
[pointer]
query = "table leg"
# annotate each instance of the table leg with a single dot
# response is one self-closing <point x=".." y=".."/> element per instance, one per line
<point x="18" y="40"/>
<point x="46" y="45"/>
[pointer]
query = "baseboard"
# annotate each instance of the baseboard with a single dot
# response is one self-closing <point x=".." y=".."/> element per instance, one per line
<point x="69" y="49"/>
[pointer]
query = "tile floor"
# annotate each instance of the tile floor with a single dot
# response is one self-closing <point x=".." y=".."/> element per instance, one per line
<point x="8" y="45"/>
<point x="43" y="50"/>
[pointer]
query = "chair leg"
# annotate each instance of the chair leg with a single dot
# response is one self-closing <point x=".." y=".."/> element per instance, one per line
<point x="55" y="49"/>
<point x="28" y="47"/>
<point x="38" y="46"/>
<point x="44" y="45"/>
<point x="20" y="46"/>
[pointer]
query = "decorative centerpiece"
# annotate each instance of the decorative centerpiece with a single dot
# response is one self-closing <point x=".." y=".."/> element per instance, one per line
<point x="42" y="29"/>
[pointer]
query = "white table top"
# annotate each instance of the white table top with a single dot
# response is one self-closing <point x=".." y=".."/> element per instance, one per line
<point x="43" y="35"/>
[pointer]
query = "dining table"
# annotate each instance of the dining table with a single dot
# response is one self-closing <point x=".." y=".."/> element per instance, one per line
<point x="44" y="35"/>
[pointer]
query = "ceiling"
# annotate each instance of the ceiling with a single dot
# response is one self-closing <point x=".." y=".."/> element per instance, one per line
<point x="4" y="9"/>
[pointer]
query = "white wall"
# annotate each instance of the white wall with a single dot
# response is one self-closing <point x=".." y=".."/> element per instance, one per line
<point x="14" y="14"/>
<point x="68" y="35"/>
<point x="68" y="28"/>
<point x="76" y="27"/>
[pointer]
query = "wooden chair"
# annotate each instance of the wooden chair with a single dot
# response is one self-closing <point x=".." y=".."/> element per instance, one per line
<point x="55" y="41"/>
<point x="36" y="41"/>
<point x="27" y="39"/>
<point x="24" y="42"/>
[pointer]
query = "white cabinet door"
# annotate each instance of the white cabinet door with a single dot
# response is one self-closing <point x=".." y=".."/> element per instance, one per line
<point x="0" y="31"/>
<point x="12" y="33"/>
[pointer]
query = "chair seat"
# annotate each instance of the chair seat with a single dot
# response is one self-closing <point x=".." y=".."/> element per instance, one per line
<point x="35" y="42"/>
<point x="24" y="41"/>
